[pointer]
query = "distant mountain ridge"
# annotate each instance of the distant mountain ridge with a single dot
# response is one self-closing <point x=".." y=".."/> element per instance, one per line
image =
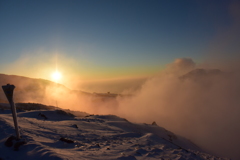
<point x="35" y="90"/>
<point x="29" y="88"/>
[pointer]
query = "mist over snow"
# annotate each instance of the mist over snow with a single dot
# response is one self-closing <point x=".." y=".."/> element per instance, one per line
<point x="202" y="104"/>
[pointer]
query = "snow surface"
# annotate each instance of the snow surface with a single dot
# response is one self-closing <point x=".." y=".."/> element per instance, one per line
<point x="93" y="136"/>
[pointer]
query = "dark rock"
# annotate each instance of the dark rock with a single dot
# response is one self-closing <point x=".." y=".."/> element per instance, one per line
<point x="75" y="126"/>
<point x="9" y="141"/>
<point x="154" y="123"/>
<point x="66" y="140"/>
<point x="42" y="115"/>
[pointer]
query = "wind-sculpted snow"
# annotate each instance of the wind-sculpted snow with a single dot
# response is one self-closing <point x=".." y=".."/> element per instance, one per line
<point x="63" y="136"/>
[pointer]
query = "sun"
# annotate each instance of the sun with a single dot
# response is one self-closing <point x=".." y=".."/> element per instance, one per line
<point x="56" y="76"/>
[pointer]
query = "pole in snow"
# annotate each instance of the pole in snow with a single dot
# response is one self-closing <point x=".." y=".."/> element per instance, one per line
<point x="8" y="90"/>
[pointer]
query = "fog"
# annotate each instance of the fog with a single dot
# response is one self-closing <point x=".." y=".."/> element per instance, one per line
<point x="200" y="104"/>
<point x="198" y="101"/>
<point x="117" y="85"/>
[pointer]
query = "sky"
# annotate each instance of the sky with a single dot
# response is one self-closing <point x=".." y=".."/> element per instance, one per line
<point x="92" y="40"/>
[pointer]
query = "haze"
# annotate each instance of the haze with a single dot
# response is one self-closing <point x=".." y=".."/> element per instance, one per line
<point x="173" y="62"/>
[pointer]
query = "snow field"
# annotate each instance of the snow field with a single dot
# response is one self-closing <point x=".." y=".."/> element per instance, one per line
<point x="93" y="137"/>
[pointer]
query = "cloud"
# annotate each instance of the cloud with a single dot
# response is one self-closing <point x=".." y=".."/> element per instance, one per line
<point x="181" y="65"/>
<point x="118" y="85"/>
<point x="199" y="103"/>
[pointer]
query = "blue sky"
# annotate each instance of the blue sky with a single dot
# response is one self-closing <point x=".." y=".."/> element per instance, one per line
<point x="109" y="38"/>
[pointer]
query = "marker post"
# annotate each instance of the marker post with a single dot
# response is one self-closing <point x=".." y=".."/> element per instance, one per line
<point x="8" y="90"/>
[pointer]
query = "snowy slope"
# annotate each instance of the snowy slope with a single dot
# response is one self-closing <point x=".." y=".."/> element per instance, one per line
<point x="93" y="136"/>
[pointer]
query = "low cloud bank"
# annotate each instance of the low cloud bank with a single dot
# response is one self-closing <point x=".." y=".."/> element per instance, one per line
<point x="201" y="104"/>
<point x="198" y="102"/>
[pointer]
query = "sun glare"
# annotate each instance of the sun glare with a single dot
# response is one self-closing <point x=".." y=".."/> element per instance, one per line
<point x="56" y="76"/>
